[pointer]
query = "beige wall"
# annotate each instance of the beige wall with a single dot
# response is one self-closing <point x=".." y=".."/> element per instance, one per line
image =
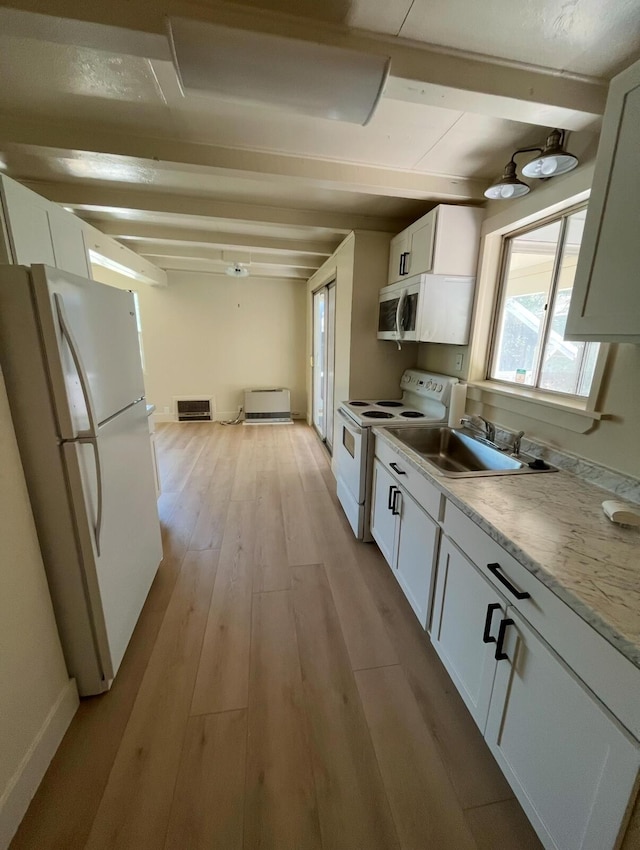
<point x="217" y="335"/>
<point x="33" y="676"/>
<point x="365" y="367"/>
<point x="612" y="441"/>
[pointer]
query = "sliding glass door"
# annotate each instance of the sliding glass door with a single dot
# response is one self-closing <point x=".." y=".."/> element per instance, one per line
<point x="324" y="314"/>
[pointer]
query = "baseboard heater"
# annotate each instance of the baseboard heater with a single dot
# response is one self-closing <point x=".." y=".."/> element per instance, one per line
<point x="267" y="406"/>
<point x="193" y="409"/>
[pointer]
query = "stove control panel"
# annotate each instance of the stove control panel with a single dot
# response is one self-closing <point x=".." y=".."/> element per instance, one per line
<point x="427" y="385"/>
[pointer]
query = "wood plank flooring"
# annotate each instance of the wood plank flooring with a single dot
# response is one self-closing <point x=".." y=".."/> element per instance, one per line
<point x="278" y="692"/>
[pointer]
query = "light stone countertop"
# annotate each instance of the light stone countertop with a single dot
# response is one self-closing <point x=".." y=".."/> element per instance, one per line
<point x="150" y="409"/>
<point x="554" y="525"/>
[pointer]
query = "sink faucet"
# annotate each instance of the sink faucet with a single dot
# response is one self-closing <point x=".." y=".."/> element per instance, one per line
<point x="517" y="439"/>
<point x="479" y="423"/>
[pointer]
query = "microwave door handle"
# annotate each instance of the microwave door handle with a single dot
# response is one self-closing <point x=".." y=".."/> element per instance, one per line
<point x="399" y="311"/>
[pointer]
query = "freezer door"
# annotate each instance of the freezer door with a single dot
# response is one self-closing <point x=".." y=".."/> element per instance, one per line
<point x="121" y="552"/>
<point x="101" y="338"/>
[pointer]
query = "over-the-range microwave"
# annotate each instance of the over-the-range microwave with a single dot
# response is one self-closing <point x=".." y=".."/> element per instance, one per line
<point x="427" y="308"/>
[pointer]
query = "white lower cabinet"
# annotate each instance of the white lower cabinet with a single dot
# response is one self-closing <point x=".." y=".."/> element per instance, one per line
<point x="407" y="537"/>
<point x="572" y="766"/>
<point x="569" y="762"/>
<point x="467" y="611"/>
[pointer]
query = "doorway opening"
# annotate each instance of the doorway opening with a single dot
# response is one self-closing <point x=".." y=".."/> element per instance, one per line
<point x="324" y="320"/>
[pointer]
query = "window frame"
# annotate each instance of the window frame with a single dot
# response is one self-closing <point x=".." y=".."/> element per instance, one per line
<point x="533" y="391"/>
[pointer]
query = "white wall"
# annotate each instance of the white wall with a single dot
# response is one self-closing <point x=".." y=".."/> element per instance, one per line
<point x="37" y="700"/>
<point x="217" y="335"/>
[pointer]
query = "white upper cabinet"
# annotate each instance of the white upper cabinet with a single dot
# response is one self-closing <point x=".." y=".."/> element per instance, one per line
<point x="26" y="225"/>
<point x="606" y="295"/>
<point x="38" y="231"/>
<point x="444" y="241"/>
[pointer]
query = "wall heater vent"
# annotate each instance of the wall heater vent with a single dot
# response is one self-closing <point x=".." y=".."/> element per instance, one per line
<point x="194" y="409"/>
<point x="267" y="406"/>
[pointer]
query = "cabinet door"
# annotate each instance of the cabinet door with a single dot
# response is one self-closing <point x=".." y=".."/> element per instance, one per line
<point x="417" y="549"/>
<point x="383" y="520"/>
<point x="398" y="248"/>
<point x="421" y="247"/>
<point x="27" y="224"/>
<point x="570" y="764"/>
<point x="68" y="242"/>
<point x="605" y="304"/>
<point x="462" y="613"/>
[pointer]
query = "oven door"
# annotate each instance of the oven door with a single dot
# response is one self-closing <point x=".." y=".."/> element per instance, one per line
<point x="351" y="455"/>
<point x="398" y="312"/>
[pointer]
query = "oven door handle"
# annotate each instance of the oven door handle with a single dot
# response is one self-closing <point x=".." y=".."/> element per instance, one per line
<point x="351" y="425"/>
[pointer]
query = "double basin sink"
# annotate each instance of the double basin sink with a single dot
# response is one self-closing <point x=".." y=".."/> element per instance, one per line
<point x="459" y="453"/>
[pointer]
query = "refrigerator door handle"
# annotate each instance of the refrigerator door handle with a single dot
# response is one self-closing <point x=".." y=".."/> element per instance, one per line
<point x="67" y="333"/>
<point x="97" y="529"/>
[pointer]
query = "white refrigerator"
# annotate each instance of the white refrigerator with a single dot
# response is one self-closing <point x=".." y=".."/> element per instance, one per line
<point x="71" y="363"/>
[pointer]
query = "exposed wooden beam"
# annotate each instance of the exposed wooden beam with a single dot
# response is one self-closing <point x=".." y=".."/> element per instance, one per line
<point x="157" y="254"/>
<point x="55" y="136"/>
<point x="140" y="234"/>
<point x="82" y="196"/>
<point x="504" y="84"/>
<point x="202" y="267"/>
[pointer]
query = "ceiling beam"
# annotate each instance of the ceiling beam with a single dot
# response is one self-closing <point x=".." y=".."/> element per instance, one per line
<point x="140" y="233"/>
<point x="501" y="85"/>
<point x="62" y="139"/>
<point x="197" y="265"/>
<point x="83" y="196"/>
<point x="157" y="254"/>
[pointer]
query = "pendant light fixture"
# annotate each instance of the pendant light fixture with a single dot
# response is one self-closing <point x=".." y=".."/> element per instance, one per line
<point x="552" y="161"/>
<point x="508" y="186"/>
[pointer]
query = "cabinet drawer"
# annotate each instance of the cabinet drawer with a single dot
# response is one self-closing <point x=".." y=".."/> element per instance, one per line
<point x="611" y="676"/>
<point x="426" y="494"/>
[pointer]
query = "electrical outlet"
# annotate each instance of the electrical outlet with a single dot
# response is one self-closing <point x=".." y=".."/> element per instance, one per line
<point x="459" y="360"/>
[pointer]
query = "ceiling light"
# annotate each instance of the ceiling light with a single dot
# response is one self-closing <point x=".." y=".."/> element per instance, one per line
<point x="553" y="160"/>
<point x="508" y="186"/>
<point x="313" y="79"/>
<point x="237" y="270"/>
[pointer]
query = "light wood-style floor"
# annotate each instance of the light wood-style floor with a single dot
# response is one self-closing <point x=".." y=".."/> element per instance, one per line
<point x="278" y="692"/>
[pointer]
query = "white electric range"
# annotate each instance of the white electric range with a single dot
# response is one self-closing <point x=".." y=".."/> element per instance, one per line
<point x="425" y="399"/>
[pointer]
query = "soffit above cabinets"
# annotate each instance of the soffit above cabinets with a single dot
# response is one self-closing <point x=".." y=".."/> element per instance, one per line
<point x="93" y="117"/>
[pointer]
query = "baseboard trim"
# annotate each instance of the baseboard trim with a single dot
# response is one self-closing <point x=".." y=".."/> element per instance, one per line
<point x="24" y="783"/>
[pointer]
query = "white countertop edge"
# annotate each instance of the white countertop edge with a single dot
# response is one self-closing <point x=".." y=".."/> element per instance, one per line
<point x="627" y="648"/>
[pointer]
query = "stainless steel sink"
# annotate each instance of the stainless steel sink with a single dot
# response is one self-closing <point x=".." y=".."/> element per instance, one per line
<point x="462" y="454"/>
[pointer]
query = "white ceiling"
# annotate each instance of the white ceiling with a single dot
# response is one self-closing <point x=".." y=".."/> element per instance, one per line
<point x="92" y="116"/>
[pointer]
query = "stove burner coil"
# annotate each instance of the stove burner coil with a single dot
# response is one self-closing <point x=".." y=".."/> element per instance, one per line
<point x="378" y="414"/>
<point x="412" y="414"/>
<point x="389" y="404"/>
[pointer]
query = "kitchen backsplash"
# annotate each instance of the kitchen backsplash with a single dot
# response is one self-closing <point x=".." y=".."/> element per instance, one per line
<point x="623" y="486"/>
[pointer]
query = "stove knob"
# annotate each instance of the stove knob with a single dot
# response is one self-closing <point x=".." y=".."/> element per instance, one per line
<point x="439" y="388"/>
<point x="429" y="385"/>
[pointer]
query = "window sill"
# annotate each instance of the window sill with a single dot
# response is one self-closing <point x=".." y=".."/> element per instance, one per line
<point x="568" y="413"/>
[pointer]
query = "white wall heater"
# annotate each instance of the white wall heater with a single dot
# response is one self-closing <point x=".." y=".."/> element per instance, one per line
<point x="267" y="406"/>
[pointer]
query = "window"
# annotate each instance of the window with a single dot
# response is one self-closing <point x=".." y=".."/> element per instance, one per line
<point x="528" y="348"/>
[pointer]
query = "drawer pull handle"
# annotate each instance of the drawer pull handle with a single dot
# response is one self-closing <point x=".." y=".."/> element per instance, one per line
<point x="519" y="594"/>
<point x="397" y="469"/>
<point x="501" y="655"/>
<point x="394" y="508"/>
<point x="486" y="635"/>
